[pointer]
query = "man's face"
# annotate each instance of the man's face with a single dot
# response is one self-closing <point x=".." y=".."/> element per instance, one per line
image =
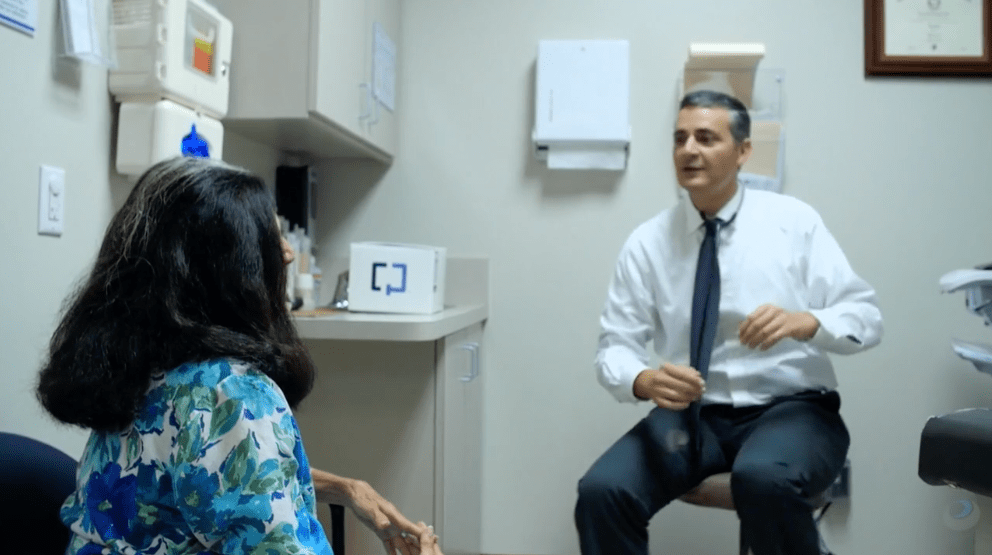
<point x="706" y="156"/>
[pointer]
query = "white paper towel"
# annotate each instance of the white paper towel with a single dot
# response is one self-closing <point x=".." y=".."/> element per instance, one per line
<point x="587" y="158"/>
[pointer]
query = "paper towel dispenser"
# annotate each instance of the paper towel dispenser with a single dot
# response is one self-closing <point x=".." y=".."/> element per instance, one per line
<point x="582" y="112"/>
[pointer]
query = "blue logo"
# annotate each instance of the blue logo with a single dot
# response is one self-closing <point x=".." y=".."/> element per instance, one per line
<point x="389" y="288"/>
<point x="194" y="146"/>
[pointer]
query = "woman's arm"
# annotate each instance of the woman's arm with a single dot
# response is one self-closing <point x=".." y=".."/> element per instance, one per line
<point x="374" y="511"/>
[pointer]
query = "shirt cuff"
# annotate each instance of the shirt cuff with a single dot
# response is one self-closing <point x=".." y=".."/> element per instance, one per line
<point x="618" y="375"/>
<point x="833" y="335"/>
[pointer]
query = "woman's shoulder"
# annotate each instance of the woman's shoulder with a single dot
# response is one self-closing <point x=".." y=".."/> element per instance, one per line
<point x="207" y="373"/>
<point x="229" y="378"/>
<point x="216" y="372"/>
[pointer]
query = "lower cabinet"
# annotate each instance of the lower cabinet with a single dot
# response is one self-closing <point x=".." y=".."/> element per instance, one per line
<point x="406" y="417"/>
<point x="458" y="440"/>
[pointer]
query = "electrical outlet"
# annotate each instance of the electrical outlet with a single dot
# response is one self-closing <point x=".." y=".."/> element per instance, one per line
<point x="51" y="200"/>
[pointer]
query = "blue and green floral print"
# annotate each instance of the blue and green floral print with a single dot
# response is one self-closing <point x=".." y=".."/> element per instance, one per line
<point x="213" y="463"/>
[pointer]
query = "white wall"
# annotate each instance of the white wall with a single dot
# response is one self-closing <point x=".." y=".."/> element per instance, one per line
<point x="57" y="111"/>
<point x="898" y="168"/>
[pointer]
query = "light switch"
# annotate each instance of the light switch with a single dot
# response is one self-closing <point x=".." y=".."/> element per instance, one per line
<point x="51" y="200"/>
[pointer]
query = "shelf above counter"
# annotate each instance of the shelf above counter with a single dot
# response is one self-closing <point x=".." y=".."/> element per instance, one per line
<point x="466" y="303"/>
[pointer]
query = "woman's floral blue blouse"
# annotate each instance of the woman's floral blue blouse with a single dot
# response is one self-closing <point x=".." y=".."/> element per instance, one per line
<point x="213" y="463"/>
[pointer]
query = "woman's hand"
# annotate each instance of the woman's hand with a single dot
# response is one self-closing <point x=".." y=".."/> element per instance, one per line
<point x="426" y="543"/>
<point x="397" y="533"/>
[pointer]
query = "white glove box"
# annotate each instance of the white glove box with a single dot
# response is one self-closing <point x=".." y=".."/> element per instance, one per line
<point x="151" y="132"/>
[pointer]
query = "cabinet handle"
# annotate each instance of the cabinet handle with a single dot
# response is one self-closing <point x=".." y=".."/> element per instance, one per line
<point x="375" y="110"/>
<point x="473" y="349"/>
<point x="368" y="101"/>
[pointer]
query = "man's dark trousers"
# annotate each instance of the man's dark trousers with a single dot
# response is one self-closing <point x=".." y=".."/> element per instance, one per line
<point x="779" y="455"/>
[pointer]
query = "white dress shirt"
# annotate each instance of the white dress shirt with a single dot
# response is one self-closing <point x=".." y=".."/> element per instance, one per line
<point x="774" y="250"/>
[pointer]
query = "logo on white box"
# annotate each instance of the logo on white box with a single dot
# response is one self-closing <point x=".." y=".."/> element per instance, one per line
<point x="390" y="289"/>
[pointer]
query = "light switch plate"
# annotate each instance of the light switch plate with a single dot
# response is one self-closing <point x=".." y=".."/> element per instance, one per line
<point x="51" y="200"/>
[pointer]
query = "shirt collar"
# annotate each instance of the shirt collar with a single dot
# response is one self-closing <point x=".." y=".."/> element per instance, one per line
<point x="694" y="220"/>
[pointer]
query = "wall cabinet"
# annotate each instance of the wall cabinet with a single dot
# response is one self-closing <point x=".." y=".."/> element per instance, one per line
<point x="407" y="418"/>
<point x="301" y="72"/>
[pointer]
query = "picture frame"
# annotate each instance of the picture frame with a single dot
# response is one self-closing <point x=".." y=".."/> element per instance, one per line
<point x="928" y="38"/>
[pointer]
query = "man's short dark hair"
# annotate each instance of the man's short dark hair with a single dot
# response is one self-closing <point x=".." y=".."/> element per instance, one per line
<point x="740" y="121"/>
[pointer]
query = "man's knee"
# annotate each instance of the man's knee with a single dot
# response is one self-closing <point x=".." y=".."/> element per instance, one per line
<point x="763" y="482"/>
<point x="600" y="493"/>
<point x="595" y="489"/>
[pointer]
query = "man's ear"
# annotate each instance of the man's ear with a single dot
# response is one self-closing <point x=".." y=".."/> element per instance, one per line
<point x="744" y="152"/>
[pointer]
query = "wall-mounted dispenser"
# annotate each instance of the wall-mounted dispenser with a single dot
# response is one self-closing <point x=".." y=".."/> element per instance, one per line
<point x="175" y="49"/>
<point x="723" y="67"/>
<point x="148" y="132"/>
<point x="582" y="104"/>
<point x="173" y="73"/>
<point x="732" y="68"/>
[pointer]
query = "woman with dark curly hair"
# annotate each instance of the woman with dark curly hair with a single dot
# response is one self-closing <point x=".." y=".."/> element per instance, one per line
<point x="179" y="353"/>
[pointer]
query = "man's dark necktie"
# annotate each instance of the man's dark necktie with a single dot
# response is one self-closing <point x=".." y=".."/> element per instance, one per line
<point x="705" y="301"/>
<point x="705" y="313"/>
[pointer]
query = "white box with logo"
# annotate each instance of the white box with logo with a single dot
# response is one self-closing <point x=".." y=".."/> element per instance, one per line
<point x="396" y="278"/>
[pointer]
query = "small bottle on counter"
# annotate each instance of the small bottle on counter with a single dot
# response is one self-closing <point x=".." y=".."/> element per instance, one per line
<point x="318" y="276"/>
<point x="305" y="291"/>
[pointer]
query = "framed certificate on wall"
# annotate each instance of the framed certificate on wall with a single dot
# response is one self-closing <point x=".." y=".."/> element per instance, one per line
<point x="928" y="37"/>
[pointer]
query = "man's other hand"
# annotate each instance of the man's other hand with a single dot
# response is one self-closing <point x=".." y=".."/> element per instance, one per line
<point x="769" y="324"/>
<point x="671" y="387"/>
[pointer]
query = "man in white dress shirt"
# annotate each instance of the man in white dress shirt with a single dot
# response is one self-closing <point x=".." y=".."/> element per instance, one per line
<point x="767" y="410"/>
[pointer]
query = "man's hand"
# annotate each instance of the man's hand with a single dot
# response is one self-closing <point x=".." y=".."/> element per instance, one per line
<point x="397" y="533"/>
<point x="769" y="324"/>
<point x="671" y="387"/>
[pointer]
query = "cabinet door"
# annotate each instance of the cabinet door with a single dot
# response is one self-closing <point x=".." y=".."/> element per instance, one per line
<point x="458" y="513"/>
<point x="370" y="416"/>
<point x="269" y="60"/>
<point x="380" y="125"/>
<point x="338" y="58"/>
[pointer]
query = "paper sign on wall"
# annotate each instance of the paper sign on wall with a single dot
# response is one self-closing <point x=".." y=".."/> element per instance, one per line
<point x="20" y="14"/>
<point x="383" y="67"/>
<point x="80" y="28"/>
